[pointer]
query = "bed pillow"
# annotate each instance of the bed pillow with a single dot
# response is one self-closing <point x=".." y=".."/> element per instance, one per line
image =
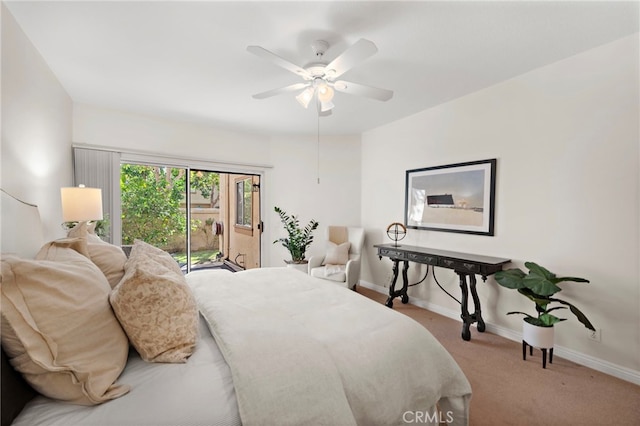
<point x="337" y="254"/>
<point x="109" y="258"/>
<point x="142" y="249"/>
<point x="58" y="327"/>
<point x="156" y="308"/>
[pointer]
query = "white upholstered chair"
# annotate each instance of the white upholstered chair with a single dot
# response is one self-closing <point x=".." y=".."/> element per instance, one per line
<point x="341" y="262"/>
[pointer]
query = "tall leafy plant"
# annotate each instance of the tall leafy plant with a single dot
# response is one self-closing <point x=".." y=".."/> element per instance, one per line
<point x="298" y="239"/>
<point x="539" y="285"/>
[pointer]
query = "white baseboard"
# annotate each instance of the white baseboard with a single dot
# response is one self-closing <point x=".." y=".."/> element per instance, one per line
<point x="597" y="364"/>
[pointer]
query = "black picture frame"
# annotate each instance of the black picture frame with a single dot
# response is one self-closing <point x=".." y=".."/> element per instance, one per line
<point x="452" y="198"/>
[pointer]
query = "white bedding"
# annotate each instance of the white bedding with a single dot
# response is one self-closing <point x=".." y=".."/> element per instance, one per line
<point x="197" y="393"/>
<point x="305" y="351"/>
<point x="352" y="360"/>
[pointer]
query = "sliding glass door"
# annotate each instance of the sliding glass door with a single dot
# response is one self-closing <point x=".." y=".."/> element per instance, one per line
<point x="152" y="205"/>
<point x="204" y="219"/>
<point x="203" y="210"/>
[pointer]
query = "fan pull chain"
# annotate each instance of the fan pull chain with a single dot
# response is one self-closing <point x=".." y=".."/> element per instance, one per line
<point x="318" y="153"/>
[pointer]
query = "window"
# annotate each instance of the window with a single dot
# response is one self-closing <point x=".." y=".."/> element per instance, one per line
<point x="143" y="191"/>
<point x="244" y="198"/>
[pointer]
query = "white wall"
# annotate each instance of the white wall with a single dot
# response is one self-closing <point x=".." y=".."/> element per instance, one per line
<point x="36" y="127"/>
<point x="294" y="187"/>
<point x="116" y="129"/>
<point x="567" y="142"/>
<point x="290" y="180"/>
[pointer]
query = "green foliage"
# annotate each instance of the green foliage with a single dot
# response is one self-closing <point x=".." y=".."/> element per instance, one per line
<point x="538" y="286"/>
<point x="101" y="228"/>
<point x="151" y="198"/>
<point x="298" y="239"/>
<point x="197" y="257"/>
<point x="205" y="182"/>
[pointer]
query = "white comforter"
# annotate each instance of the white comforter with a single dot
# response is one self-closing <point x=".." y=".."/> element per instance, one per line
<point x="303" y="351"/>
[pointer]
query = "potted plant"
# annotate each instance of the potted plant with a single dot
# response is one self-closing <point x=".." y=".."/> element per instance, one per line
<point x="298" y="238"/>
<point x="539" y="285"/>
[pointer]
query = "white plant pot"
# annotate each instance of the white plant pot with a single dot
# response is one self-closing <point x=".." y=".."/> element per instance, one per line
<point x="538" y="337"/>
<point x="302" y="267"/>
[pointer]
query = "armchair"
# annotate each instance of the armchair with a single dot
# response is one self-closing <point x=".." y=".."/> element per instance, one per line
<point x="341" y="262"/>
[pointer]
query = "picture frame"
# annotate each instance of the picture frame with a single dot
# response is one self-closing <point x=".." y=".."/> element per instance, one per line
<point x="452" y="198"/>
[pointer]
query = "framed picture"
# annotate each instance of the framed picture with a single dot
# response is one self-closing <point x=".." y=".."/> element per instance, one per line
<point x="452" y="198"/>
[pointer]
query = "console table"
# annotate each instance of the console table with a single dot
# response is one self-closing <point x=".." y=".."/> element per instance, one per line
<point x="466" y="265"/>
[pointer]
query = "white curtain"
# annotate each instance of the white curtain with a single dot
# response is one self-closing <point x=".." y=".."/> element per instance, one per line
<point x="101" y="169"/>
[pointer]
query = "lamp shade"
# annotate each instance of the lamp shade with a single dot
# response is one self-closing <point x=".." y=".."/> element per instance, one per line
<point x="81" y="204"/>
<point x="326" y="106"/>
<point x="305" y="96"/>
<point x="325" y="93"/>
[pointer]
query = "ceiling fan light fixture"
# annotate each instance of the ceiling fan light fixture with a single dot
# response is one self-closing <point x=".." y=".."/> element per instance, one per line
<point x="319" y="77"/>
<point x="305" y="96"/>
<point x="326" y="106"/>
<point x="325" y="93"/>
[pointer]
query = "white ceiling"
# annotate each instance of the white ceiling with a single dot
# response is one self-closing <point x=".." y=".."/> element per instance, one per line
<point x="188" y="60"/>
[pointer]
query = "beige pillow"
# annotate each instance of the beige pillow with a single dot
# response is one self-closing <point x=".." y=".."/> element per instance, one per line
<point x="157" y="310"/>
<point x="57" y="249"/>
<point x="142" y="249"/>
<point x="58" y="328"/>
<point x="109" y="258"/>
<point x="337" y="254"/>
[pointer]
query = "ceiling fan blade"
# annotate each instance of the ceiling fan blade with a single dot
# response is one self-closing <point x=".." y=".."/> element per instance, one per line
<point x="362" y="90"/>
<point x="273" y="92"/>
<point x="270" y="56"/>
<point x="351" y="57"/>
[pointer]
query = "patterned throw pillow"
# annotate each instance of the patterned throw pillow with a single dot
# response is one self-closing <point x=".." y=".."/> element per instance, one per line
<point x="155" y="306"/>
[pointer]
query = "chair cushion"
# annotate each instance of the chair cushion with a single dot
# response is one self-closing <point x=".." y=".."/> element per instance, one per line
<point x="332" y="272"/>
<point x="337" y="234"/>
<point x="337" y="254"/>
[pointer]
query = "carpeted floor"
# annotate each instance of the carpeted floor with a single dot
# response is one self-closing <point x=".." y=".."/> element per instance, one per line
<point x="510" y="391"/>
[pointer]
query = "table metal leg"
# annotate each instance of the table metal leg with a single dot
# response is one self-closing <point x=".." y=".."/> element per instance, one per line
<point x="466" y="333"/>
<point x="392" y="287"/>
<point x="405" y="283"/>
<point x="477" y="314"/>
<point x="393" y="293"/>
<point x="468" y="282"/>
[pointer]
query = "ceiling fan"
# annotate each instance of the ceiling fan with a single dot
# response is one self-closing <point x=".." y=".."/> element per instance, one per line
<point x="320" y="77"/>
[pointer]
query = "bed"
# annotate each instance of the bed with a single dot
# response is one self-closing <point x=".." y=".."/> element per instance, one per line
<point x="265" y="346"/>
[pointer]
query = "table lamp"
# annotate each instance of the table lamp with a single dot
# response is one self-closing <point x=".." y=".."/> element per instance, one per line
<point x="81" y="204"/>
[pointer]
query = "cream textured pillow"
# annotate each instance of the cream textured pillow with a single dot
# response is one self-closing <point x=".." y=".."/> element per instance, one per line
<point x="142" y="249"/>
<point x="58" y="328"/>
<point x="109" y="258"/>
<point x="337" y="254"/>
<point x="157" y="310"/>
